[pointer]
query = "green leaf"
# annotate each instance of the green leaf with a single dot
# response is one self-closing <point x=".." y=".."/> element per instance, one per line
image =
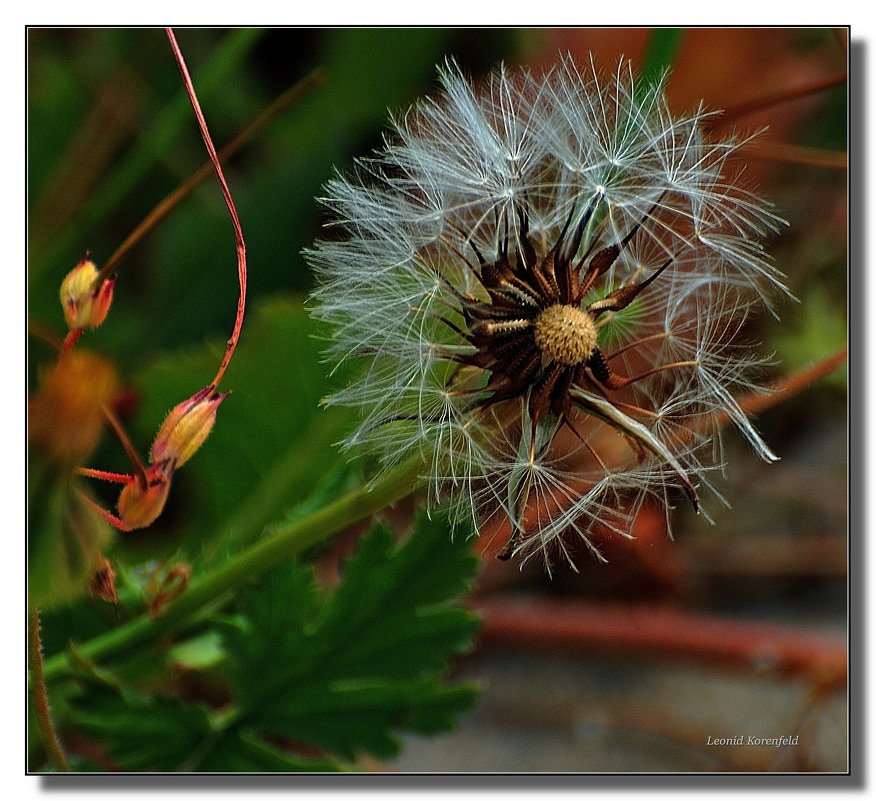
<point x="351" y="717"/>
<point x="140" y="732"/>
<point x="272" y="443"/>
<point x="198" y="653"/>
<point x="344" y="672"/>
<point x="65" y="536"/>
<point x="818" y="328"/>
<point x="269" y="637"/>
<point x="315" y="676"/>
<point x="244" y="752"/>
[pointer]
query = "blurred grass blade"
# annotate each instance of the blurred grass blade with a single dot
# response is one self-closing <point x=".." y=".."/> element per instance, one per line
<point x="788" y="153"/>
<point x="733" y="113"/>
<point x="660" y="53"/>
<point x="85" y="158"/>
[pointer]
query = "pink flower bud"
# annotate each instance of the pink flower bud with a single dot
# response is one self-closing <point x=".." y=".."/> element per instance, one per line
<point x="86" y="302"/>
<point x="186" y="427"/>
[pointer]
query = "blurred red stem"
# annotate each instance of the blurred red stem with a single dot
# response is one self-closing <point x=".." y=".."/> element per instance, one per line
<point x="115" y="425"/>
<point x="749" y="107"/>
<point x="653" y="632"/>
<point x="783" y="388"/>
<point x="70" y="340"/>
<point x="799" y="154"/>
<point x="229" y="202"/>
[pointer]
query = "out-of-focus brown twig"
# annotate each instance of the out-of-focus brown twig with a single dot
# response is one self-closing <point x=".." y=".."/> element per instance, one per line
<point x="786" y="387"/>
<point x="774" y="556"/>
<point x="798" y="154"/>
<point x="45" y="334"/>
<point x="649" y="632"/>
<point x="88" y="151"/>
<point x="733" y="113"/>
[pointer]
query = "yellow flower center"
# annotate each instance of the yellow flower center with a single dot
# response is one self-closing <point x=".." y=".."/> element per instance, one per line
<point x="565" y="334"/>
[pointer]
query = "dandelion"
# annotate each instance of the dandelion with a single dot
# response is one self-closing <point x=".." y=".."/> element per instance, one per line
<point x="546" y="281"/>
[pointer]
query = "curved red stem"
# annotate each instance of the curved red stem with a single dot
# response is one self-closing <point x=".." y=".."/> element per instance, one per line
<point x="229" y="202"/>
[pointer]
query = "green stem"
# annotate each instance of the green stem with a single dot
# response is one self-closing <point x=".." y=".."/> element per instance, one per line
<point x="285" y="541"/>
<point x="41" y="698"/>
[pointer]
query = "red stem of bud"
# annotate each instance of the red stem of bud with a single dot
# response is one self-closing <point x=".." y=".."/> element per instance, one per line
<point x="70" y="340"/>
<point x="226" y="193"/>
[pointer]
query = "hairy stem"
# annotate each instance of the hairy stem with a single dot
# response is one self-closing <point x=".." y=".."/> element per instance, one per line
<point x="40" y="698"/>
<point x="287" y="540"/>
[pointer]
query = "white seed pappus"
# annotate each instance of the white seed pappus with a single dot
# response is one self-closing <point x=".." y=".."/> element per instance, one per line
<point x="496" y="210"/>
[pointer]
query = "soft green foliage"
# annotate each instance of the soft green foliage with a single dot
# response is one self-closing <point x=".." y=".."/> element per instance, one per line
<point x="272" y="442"/>
<point x="244" y="752"/>
<point x="65" y="536"/>
<point x="180" y="282"/>
<point x="140" y="732"/>
<point x="159" y="134"/>
<point x="816" y="331"/>
<point x="338" y="672"/>
<point x="660" y="54"/>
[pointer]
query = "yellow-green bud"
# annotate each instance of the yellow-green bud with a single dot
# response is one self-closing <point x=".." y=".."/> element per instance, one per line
<point x="85" y="301"/>
<point x="186" y="427"/>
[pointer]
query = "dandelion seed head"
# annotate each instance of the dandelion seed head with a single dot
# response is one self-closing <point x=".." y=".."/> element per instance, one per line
<point x="544" y="280"/>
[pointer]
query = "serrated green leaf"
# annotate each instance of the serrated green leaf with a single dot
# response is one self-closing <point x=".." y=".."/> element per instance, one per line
<point x="427" y="568"/>
<point x="345" y="672"/>
<point x="269" y="639"/>
<point x="244" y="752"/>
<point x="140" y="732"/>
<point x="353" y="716"/>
